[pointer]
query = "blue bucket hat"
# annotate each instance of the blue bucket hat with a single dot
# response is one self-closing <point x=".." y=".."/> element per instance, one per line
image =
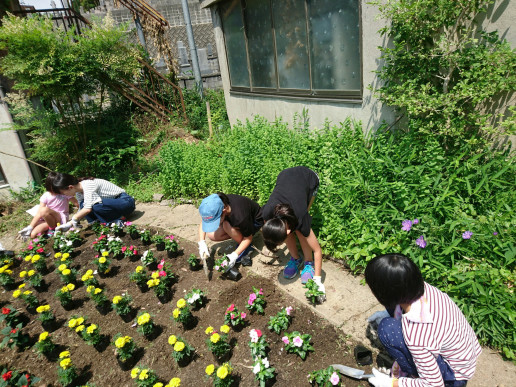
<point x="211" y="211"/>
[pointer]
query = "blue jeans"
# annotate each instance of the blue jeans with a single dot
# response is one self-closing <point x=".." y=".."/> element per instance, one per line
<point x="111" y="209"/>
<point x="391" y="336"/>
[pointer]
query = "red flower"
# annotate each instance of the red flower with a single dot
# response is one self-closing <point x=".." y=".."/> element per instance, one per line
<point x="258" y="332"/>
<point x="231" y="308"/>
<point x="7" y="375"/>
<point x="6" y="310"/>
<point x="13" y="330"/>
<point x="40" y="250"/>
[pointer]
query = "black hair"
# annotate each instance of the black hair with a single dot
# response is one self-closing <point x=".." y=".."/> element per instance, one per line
<point x="58" y="181"/>
<point x="224" y="198"/>
<point x="274" y="231"/>
<point x="394" y="279"/>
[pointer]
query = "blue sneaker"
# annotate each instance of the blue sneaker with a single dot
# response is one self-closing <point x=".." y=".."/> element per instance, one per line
<point x="292" y="267"/>
<point x="244" y="253"/>
<point x="308" y="272"/>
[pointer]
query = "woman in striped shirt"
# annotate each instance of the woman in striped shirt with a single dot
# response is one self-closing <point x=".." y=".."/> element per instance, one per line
<point x="99" y="200"/>
<point x="426" y="333"/>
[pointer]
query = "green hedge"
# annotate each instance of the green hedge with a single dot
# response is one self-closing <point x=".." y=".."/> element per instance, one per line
<point x="368" y="187"/>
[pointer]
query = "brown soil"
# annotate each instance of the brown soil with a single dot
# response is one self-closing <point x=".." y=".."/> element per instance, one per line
<point x="99" y="366"/>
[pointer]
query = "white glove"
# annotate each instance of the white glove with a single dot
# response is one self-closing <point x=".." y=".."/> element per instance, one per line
<point x="380" y="380"/>
<point x="317" y="280"/>
<point x="203" y="250"/>
<point x="232" y="260"/>
<point x="378" y="316"/>
<point x="26" y="231"/>
<point x="68" y="225"/>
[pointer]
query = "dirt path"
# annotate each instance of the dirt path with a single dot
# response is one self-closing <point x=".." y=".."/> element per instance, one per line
<point x="348" y="302"/>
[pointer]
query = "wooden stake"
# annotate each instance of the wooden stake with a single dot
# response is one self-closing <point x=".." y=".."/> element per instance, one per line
<point x="209" y="118"/>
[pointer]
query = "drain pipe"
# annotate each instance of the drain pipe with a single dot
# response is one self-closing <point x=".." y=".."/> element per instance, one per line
<point x="193" y="48"/>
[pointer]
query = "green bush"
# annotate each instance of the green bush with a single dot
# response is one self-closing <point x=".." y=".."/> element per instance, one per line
<point x="368" y="187"/>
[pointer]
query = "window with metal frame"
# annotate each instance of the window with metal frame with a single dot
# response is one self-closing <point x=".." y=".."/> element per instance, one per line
<point x="294" y="47"/>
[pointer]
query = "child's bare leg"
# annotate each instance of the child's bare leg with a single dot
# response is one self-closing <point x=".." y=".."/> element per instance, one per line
<point x="218" y="235"/>
<point x="292" y="246"/>
<point x="233" y="233"/>
<point x="39" y="229"/>
<point x="51" y="217"/>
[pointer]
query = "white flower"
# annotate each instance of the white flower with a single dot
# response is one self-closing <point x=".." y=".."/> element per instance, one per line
<point x="265" y="362"/>
<point x="254" y="336"/>
<point x="194" y="298"/>
<point x="256" y="368"/>
<point x="69" y="243"/>
<point x="216" y="268"/>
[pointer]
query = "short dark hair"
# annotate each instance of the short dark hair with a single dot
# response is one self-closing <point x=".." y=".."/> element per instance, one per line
<point x="394" y="279"/>
<point x="274" y="231"/>
<point x="224" y="198"/>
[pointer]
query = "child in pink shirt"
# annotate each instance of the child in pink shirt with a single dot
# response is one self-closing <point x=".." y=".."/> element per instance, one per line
<point x="53" y="209"/>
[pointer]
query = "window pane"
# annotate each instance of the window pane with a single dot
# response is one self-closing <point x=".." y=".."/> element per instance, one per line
<point x="291" y="44"/>
<point x="334" y="40"/>
<point x="259" y="35"/>
<point x="231" y="14"/>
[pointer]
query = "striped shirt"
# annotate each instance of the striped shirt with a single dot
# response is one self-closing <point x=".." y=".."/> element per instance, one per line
<point x="93" y="191"/>
<point x="434" y="326"/>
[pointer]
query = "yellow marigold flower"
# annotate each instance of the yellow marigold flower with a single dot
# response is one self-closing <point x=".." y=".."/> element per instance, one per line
<point x="144" y="319"/>
<point x="80" y="328"/>
<point x="179" y="346"/>
<point x="98" y="290"/>
<point x="121" y="342"/>
<point x="144" y="374"/>
<point x="222" y="372"/>
<point x="181" y="303"/>
<point x="80" y="320"/>
<point x="64" y="289"/>
<point x="135" y="372"/>
<point x="63" y="259"/>
<point x="151" y="283"/>
<point x="139" y="269"/>
<point x="174" y="382"/>
<point x="21" y="286"/>
<point x="58" y="255"/>
<point x="172" y="340"/>
<point x="28" y="258"/>
<point x="215" y="338"/>
<point x="35" y="258"/>
<point x="92" y="328"/>
<point x="224" y="329"/>
<point x="30" y="273"/>
<point x="64" y="354"/>
<point x="23" y="274"/>
<point x="90" y="288"/>
<point x="86" y="277"/>
<point x="2" y="269"/>
<point x="208" y="330"/>
<point x="158" y="384"/>
<point x="27" y="292"/>
<point x="102" y="260"/>
<point x="209" y="370"/>
<point x="16" y="293"/>
<point x="72" y="323"/>
<point x="70" y="287"/>
<point x="8" y="272"/>
<point x="117" y="299"/>
<point x="61" y="267"/>
<point x="105" y="253"/>
<point x="89" y="272"/>
<point x="43" y="308"/>
<point x="43" y="336"/>
<point x="65" y="363"/>
<point x="176" y="313"/>
<point x="66" y="255"/>
<point x="155" y="275"/>
<point x="66" y="271"/>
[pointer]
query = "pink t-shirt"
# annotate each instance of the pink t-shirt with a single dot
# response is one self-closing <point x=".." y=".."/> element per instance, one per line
<point x="58" y="203"/>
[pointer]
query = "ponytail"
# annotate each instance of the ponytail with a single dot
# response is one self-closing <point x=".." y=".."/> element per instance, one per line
<point x="275" y="230"/>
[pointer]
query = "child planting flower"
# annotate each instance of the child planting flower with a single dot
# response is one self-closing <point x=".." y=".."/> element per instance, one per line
<point x="89" y="279"/>
<point x="139" y="276"/>
<point x="45" y="345"/>
<point x="122" y="304"/>
<point x="281" y="321"/>
<point x="262" y="371"/>
<point x="182" y="352"/>
<point x="256" y="301"/>
<point x="145" y="324"/>
<point x="222" y="377"/>
<point x="144" y="377"/>
<point x="234" y="317"/>
<point x="297" y="343"/>
<point x="324" y="377"/>
<point x="195" y="298"/>
<point x="182" y="313"/>
<point x="218" y="342"/>
<point x="64" y="295"/>
<point x="257" y="344"/>
<point x="66" y="372"/>
<point x="102" y="263"/>
<point x="125" y="347"/>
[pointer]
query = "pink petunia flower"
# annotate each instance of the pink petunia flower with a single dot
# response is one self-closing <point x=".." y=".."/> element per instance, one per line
<point x="128" y="223"/>
<point x="298" y="341"/>
<point x="162" y="273"/>
<point x="252" y="297"/>
<point x="261" y="291"/>
<point x="231" y="308"/>
<point x="232" y="316"/>
<point x="334" y="379"/>
<point x="243" y="315"/>
<point x="288" y="309"/>
<point x="123" y="249"/>
<point x="285" y="340"/>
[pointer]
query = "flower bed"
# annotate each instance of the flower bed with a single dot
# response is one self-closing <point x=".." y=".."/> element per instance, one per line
<point x="98" y="364"/>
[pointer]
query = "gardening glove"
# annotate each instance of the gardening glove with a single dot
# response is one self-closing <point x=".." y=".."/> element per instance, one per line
<point x="26" y="231"/>
<point x="203" y="250"/>
<point x="317" y="280"/>
<point x="380" y="380"/>
<point x="232" y="260"/>
<point x="68" y="225"/>
<point x="378" y="316"/>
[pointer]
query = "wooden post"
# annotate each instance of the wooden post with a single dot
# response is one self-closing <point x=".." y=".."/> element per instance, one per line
<point x="209" y="118"/>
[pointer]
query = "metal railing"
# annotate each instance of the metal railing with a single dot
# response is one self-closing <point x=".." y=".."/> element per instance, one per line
<point x="65" y="18"/>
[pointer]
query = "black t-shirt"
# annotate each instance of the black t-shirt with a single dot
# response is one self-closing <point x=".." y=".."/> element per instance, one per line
<point x="295" y="187"/>
<point x="245" y="215"/>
